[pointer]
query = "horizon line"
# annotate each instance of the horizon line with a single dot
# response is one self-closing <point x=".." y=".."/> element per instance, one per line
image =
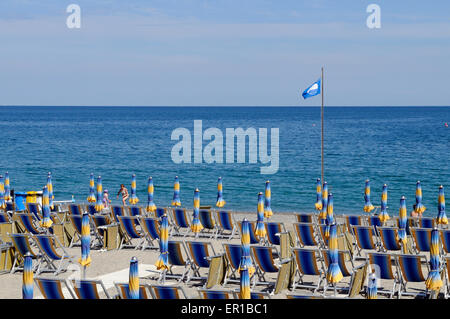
<point x="217" y="106"/>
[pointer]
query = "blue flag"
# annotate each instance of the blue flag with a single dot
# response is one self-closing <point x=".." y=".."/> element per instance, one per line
<point x="313" y="90"/>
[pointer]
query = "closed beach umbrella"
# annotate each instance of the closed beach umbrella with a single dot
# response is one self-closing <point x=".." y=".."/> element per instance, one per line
<point x="85" y="259"/>
<point x="163" y="260"/>
<point x="151" y="207"/>
<point x="27" y="277"/>
<point x="91" y="198"/>
<point x="323" y="212"/>
<point x="330" y="216"/>
<point x="7" y="188"/>
<point x="176" y="193"/>
<point x="220" y="201"/>
<point x="368" y="207"/>
<point x="99" y="203"/>
<point x="441" y="218"/>
<point x="196" y="226"/>
<point x="133" y="198"/>
<point x="384" y="216"/>
<point x="420" y="208"/>
<point x="245" y="248"/>
<point x="2" y="193"/>
<point x="372" y="288"/>
<point x="260" y="229"/>
<point x="403" y="219"/>
<point x="46" y="221"/>
<point x="434" y="281"/>
<point x="267" y="210"/>
<point x="50" y="190"/>
<point x="244" y="292"/>
<point x="133" y="279"/>
<point x="318" y="195"/>
<point x="334" y="274"/>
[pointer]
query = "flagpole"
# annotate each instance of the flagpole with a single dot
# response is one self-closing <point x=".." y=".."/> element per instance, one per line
<point x="321" y="90"/>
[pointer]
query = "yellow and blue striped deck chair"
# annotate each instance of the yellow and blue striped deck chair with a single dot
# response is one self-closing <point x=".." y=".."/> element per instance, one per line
<point x="427" y="222"/>
<point x="296" y="296"/>
<point x="160" y="211"/>
<point x="260" y="295"/>
<point x="365" y="238"/>
<point x="150" y="226"/>
<point x="129" y="231"/>
<point x="167" y="292"/>
<point x="251" y="228"/>
<point x="215" y="294"/>
<point x="176" y="258"/>
<point x="353" y="220"/>
<point x="306" y="234"/>
<point x="233" y="253"/>
<point x="117" y="211"/>
<point x="22" y="246"/>
<point x="273" y="229"/>
<point x="123" y="290"/>
<point x="382" y="264"/>
<point x="90" y="208"/>
<point x="375" y="222"/>
<point x="445" y="240"/>
<point x="28" y="223"/>
<point x="306" y="218"/>
<point x="5" y="218"/>
<point x="88" y="289"/>
<point x="264" y="261"/>
<point x="200" y="254"/>
<point x="410" y="268"/>
<point x="226" y="224"/>
<point x="206" y="217"/>
<point x="46" y="244"/>
<point x="342" y="265"/>
<point x="35" y="210"/>
<point x="75" y="209"/>
<point x="76" y="223"/>
<point x="180" y="221"/>
<point x="422" y="239"/>
<point x="308" y="263"/>
<point x="388" y="238"/>
<point x="135" y="211"/>
<point x="101" y="222"/>
<point x="53" y="288"/>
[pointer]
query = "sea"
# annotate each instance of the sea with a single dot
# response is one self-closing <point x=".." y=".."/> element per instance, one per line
<point x="397" y="146"/>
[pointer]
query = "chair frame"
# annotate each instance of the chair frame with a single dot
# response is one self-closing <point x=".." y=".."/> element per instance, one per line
<point x="49" y="260"/>
<point x="61" y="282"/>
<point x="178" y="288"/>
<point x="176" y="226"/>
<point x="195" y="267"/>
<point x="403" y="282"/>
<point x="222" y="229"/>
<point x="321" y="269"/>
<point x="127" y="238"/>
<point x="395" y="272"/>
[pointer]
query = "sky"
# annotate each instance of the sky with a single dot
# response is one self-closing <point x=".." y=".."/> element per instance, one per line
<point x="224" y="53"/>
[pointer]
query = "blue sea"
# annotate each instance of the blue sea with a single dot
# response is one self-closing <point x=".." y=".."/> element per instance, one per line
<point x="393" y="145"/>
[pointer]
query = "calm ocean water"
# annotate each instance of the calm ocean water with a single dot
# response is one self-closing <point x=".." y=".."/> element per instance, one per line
<point x="393" y="145"/>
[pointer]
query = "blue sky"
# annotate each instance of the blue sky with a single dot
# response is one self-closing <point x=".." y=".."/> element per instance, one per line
<point x="214" y="53"/>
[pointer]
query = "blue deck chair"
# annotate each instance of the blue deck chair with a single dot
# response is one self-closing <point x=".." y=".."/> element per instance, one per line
<point x="364" y="237"/>
<point x="375" y="222"/>
<point x="33" y="208"/>
<point x="101" y="222"/>
<point x="200" y="254"/>
<point x="411" y="271"/>
<point x="135" y="211"/>
<point x="176" y="258"/>
<point x="90" y="208"/>
<point x="226" y="224"/>
<point x="307" y="264"/>
<point x="215" y="294"/>
<point x="88" y="289"/>
<point x="294" y="296"/>
<point x="167" y="292"/>
<point x="53" y="288"/>
<point x="273" y="230"/>
<point x="28" y="222"/>
<point x="22" y="246"/>
<point x="75" y="209"/>
<point x="422" y="239"/>
<point x="260" y="295"/>
<point x="181" y="221"/>
<point x="306" y="218"/>
<point x="4" y="218"/>
<point x="117" y="211"/>
<point x="150" y="226"/>
<point x="209" y="224"/>
<point x="10" y="207"/>
<point x="251" y="228"/>
<point x="233" y="253"/>
<point x="123" y="290"/>
<point x="129" y="232"/>
<point x="263" y="259"/>
<point x="47" y="246"/>
<point x="427" y="222"/>
<point x="382" y="264"/>
<point x="353" y="220"/>
<point x="305" y="234"/>
<point x="388" y="238"/>
<point x="342" y="265"/>
<point x="76" y="223"/>
<point x="445" y="240"/>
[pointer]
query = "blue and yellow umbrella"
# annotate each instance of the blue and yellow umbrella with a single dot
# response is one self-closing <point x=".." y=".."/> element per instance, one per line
<point x="434" y="281"/>
<point x="2" y="193"/>
<point x="151" y="207"/>
<point x="334" y="274"/>
<point x="163" y="260"/>
<point x="7" y="188"/>
<point x="318" y="195"/>
<point x="420" y="208"/>
<point x="91" y="198"/>
<point x="85" y="259"/>
<point x="384" y="216"/>
<point x="244" y="292"/>
<point x="196" y="225"/>
<point x="267" y="198"/>
<point x="441" y="217"/>
<point x="50" y="190"/>
<point x="368" y="207"/>
<point x="323" y="212"/>
<point x="220" y="201"/>
<point x="133" y="279"/>
<point x="27" y="277"/>
<point x="260" y="229"/>
<point x="133" y="198"/>
<point x="99" y="204"/>
<point x="176" y="193"/>
<point x="46" y="220"/>
<point x="330" y="216"/>
<point x="246" y="260"/>
<point x="372" y="287"/>
<point x="402" y="220"/>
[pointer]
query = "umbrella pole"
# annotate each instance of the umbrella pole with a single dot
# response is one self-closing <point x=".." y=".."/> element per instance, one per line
<point x="84" y="272"/>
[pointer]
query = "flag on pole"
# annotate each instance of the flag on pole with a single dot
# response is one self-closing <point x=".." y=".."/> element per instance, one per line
<point x="313" y="90"/>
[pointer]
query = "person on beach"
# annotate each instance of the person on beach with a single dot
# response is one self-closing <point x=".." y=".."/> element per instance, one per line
<point x="123" y="190"/>
<point x="415" y="214"/>
<point x="106" y="200"/>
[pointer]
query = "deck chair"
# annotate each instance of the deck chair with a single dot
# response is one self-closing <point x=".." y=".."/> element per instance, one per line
<point x="272" y="229"/>
<point x="427" y="222"/>
<point x="160" y="211"/>
<point x="308" y="263"/>
<point x="117" y="211"/>
<point x="34" y="209"/>
<point x="215" y="294"/>
<point x="90" y="208"/>
<point x="129" y="231"/>
<point x="76" y="221"/>
<point x="180" y="221"/>
<point x="422" y="239"/>
<point x="411" y="222"/>
<point x="260" y="295"/>
<point x="233" y="252"/>
<point x="206" y="218"/>
<point x="176" y="258"/>
<point x="251" y="228"/>
<point x="5" y="218"/>
<point x="226" y="224"/>
<point x="306" y="235"/>
<point x="411" y="271"/>
<point x="365" y="238"/>
<point x="135" y="211"/>
<point x="199" y="253"/>
<point x="123" y="290"/>
<point x="305" y="218"/>
<point x="75" y="209"/>
<point x="445" y="240"/>
<point x="375" y="222"/>
<point x="167" y="292"/>
<point x="53" y="288"/>
<point x="263" y="259"/>
<point x="28" y="222"/>
<point x="88" y="289"/>
<point x="22" y="246"/>
<point x="150" y="226"/>
<point x="10" y="207"/>
<point x="295" y="296"/>
<point x="46" y="244"/>
<point x="388" y="238"/>
<point x="100" y="222"/>
<point x="353" y="220"/>
<point x="382" y="264"/>
<point x="342" y="265"/>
